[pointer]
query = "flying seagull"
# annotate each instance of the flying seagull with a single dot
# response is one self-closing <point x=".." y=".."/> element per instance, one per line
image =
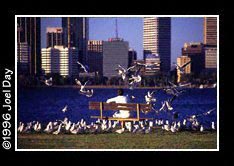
<point x="85" y="68"/>
<point x="48" y="82"/>
<point x="149" y="97"/>
<point x="123" y="72"/>
<point x="64" y="109"/>
<point x="181" y="68"/>
<point x="83" y="91"/>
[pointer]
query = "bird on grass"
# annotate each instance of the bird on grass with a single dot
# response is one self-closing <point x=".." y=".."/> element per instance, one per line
<point x="120" y="131"/>
<point x="58" y="131"/>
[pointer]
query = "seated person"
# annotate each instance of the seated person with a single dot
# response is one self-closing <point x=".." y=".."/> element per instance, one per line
<point x="120" y="99"/>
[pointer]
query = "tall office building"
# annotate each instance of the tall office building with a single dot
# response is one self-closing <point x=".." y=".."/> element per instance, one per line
<point x="195" y="51"/>
<point x="54" y="36"/>
<point x="153" y="64"/>
<point x="132" y="56"/>
<point x="210" y="41"/>
<point x="115" y="52"/>
<point x="76" y="34"/>
<point x="23" y="52"/>
<point x="181" y="60"/>
<point x="210" y="57"/>
<point x="157" y="40"/>
<point x="95" y="56"/>
<point x="210" y="30"/>
<point x="29" y="33"/>
<point x="59" y="59"/>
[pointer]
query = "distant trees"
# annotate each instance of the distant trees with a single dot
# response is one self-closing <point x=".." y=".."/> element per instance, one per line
<point x="157" y="80"/>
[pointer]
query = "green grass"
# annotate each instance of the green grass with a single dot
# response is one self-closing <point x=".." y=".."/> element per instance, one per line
<point x="159" y="140"/>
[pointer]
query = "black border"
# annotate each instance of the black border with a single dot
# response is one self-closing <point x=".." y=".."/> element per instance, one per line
<point x="151" y="8"/>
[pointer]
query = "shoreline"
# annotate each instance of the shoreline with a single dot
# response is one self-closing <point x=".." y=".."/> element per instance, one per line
<point x="107" y="87"/>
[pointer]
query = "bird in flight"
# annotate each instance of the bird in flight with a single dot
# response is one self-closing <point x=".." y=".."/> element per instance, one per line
<point x="64" y="109"/>
<point x="48" y="82"/>
<point x="149" y="97"/>
<point x="83" y="91"/>
<point x="123" y="72"/>
<point x="181" y="68"/>
<point x="85" y="68"/>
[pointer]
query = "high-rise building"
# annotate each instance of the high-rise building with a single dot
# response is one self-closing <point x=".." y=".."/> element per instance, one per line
<point x="115" y="52"/>
<point x="210" y="57"/>
<point x="54" y="36"/>
<point x="29" y="33"/>
<point x="210" y="30"/>
<point x="210" y="41"/>
<point x="157" y="40"/>
<point x="59" y="59"/>
<point x="195" y="51"/>
<point x="23" y="52"/>
<point x="132" y="56"/>
<point x="76" y="34"/>
<point x="180" y="62"/>
<point x="95" y="56"/>
<point x="152" y="62"/>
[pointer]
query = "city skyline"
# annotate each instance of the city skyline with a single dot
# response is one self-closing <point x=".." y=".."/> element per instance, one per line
<point x="183" y="29"/>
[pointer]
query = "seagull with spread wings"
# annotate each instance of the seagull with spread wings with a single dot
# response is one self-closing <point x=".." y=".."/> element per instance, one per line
<point x="85" y="68"/>
<point x="48" y="82"/>
<point x="181" y="68"/>
<point x="123" y="72"/>
<point x="149" y="97"/>
<point x="83" y="91"/>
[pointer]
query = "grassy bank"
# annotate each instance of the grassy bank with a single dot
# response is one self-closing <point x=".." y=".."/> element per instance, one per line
<point x="159" y="140"/>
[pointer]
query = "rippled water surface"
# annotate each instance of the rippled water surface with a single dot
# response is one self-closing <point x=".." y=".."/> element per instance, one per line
<point x="45" y="103"/>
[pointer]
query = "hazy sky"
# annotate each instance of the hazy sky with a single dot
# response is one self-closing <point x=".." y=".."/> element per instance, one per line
<point x="131" y="29"/>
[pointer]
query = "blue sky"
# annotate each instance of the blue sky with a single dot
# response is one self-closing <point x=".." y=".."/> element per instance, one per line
<point x="184" y="29"/>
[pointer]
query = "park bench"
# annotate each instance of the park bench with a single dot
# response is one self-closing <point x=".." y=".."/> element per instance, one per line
<point x="103" y="106"/>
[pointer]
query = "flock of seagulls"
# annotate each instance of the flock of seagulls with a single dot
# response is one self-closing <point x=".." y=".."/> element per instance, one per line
<point x="107" y="126"/>
<point x="132" y="77"/>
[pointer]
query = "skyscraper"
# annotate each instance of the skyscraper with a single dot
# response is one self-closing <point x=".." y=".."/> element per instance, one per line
<point x="76" y="34"/>
<point x="210" y="41"/>
<point x="132" y="56"/>
<point x="61" y="60"/>
<point x="210" y="30"/>
<point x="23" y="53"/>
<point x="157" y="40"/>
<point x="115" y="52"/>
<point x="29" y="33"/>
<point x="153" y="64"/>
<point x="54" y="36"/>
<point x="195" y="51"/>
<point x="95" y="56"/>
